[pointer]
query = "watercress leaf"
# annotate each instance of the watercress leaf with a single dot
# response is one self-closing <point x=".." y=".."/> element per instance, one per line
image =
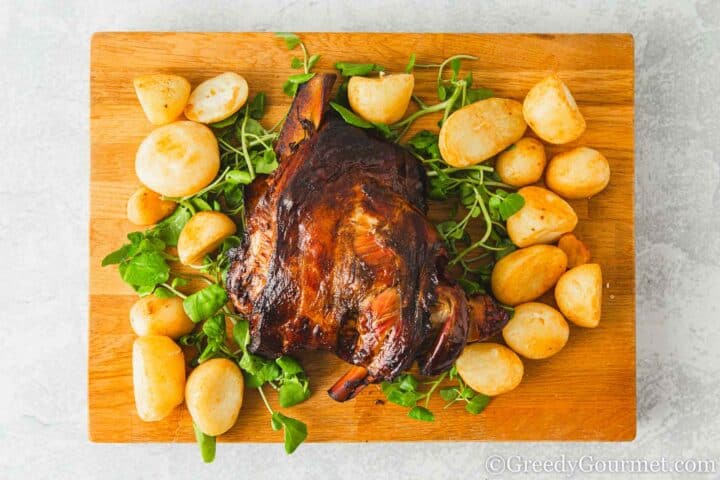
<point x="117" y="256"/>
<point x="471" y="287"/>
<point x="350" y="117"/>
<point x="256" y="108"/>
<point x="252" y="127"/>
<point x="407" y="383"/>
<point x="238" y="177"/>
<point x="467" y="393"/>
<point x="348" y="69"/>
<point x="295" y="432"/>
<point x="162" y="292"/>
<point x="169" y="229"/>
<point x="388" y="387"/>
<point x="300" y="78"/>
<point x="214" y="328"/>
<point x="291" y="40"/>
<point x="476" y="94"/>
<point x="225" y="123"/>
<point x="206" y="444"/>
<point x="511" y="205"/>
<point x="289" y="366"/>
<point x="423" y="140"/>
<point x="384" y="130"/>
<point x="477" y="404"/>
<point x="290" y="88"/>
<point x="143" y="290"/>
<point x="291" y="393"/>
<point x="313" y="60"/>
<point x="448" y="394"/>
<point x="411" y="64"/>
<point x="275" y="422"/>
<point x="455" y="65"/>
<point x="204" y="303"/>
<point x="201" y="204"/>
<point x="421" y="413"/>
<point x="452" y="373"/>
<point x="241" y="334"/>
<point x="405" y="399"/>
<point x="209" y="352"/>
<point x="296" y="63"/>
<point x="267" y="163"/>
<point x="146" y="269"/>
<point x="179" y="282"/>
<point x="442" y="93"/>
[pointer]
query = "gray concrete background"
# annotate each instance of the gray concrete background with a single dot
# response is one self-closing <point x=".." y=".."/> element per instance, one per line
<point x="44" y="55"/>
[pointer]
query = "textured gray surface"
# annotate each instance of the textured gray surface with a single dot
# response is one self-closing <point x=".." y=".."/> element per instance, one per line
<point x="44" y="53"/>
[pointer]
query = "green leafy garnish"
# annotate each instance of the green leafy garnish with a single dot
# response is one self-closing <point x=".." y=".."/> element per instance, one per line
<point x="350" y="117"/>
<point x="206" y="444"/>
<point x="295" y="431"/>
<point x="411" y="64"/>
<point x="348" y="69"/>
<point x="204" y="303"/>
<point x="307" y="63"/>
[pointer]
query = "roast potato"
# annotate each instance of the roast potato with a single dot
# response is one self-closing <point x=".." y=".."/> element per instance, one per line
<point x="217" y="98"/>
<point x="543" y="218"/>
<point x="536" y="331"/>
<point x="580" y="173"/>
<point x="158" y="376"/>
<point x="577" y="252"/>
<point x="527" y="273"/>
<point x="214" y="395"/>
<point x="480" y="130"/>
<point x="578" y="294"/>
<point x="490" y="368"/>
<point x="381" y="99"/>
<point x="152" y="315"/>
<point x="179" y="159"/>
<point x="146" y="207"/>
<point x="162" y="97"/>
<point x="523" y="163"/>
<point x="202" y="234"/>
<point x="550" y="110"/>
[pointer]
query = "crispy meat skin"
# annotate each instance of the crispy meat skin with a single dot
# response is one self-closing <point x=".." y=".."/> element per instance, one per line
<point x="338" y="253"/>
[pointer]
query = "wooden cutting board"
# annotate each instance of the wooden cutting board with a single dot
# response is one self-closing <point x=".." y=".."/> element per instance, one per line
<point x="586" y="392"/>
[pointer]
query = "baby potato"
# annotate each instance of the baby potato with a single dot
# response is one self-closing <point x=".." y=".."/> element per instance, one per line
<point x="543" y="218"/>
<point x="158" y="376"/>
<point x="217" y="98"/>
<point x="152" y="315"/>
<point x="523" y="164"/>
<point x="202" y="234"/>
<point x="527" y="273"/>
<point x="179" y="159"/>
<point x="536" y="331"/>
<point x="578" y="294"/>
<point x="382" y="99"/>
<point x="214" y="395"/>
<point x="146" y="207"/>
<point x="480" y="130"/>
<point x="580" y="173"/>
<point x="577" y="252"/>
<point x="490" y="368"/>
<point x="550" y="110"/>
<point x="162" y="97"/>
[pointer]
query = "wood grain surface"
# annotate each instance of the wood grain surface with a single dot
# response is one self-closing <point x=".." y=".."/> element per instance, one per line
<point x="586" y="392"/>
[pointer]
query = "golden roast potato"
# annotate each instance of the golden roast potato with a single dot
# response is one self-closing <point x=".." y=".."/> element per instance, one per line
<point x="550" y="110"/>
<point x="543" y="218"/>
<point x="527" y="273"/>
<point x="214" y="395"/>
<point x="490" y="368"/>
<point x="146" y="207"/>
<point x="162" y="97"/>
<point x="382" y="99"/>
<point x="536" y="331"/>
<point x="158" y="376"/>
<point x="217" y="98"/>
<point x="178" y="159"/>
<point x="480" y="130"/>
<point x="578" y="294"/>
<point x="522" y="163"/>
<point x="577" y="252"/>
<point x="202" y="234"/>
<point x="579" y="173"/>
<point x="152" y="315"/>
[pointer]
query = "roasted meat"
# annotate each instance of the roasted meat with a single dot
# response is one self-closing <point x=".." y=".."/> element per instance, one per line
<point x="338" y="254"/>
